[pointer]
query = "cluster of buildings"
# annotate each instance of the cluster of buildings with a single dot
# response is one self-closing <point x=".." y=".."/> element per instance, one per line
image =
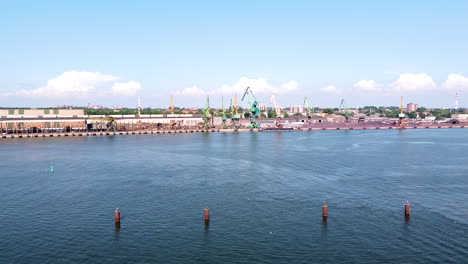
<point x="411" y="107"/>
<point x="297" y="109"/>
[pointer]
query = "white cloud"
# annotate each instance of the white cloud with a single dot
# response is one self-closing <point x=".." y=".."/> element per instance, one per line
<point x="331" y="89"/>
<point x="367" y="86"/>
<point x="289" y="87"/>
<point x="412" y="83"/>
<point x="71" y="84"/>
<point x="126" y="89"/>
<point x="456" y="81"/>
<point x="191" y="91"/>
<point x="81" y="84"/>
<point x="259" y="86"/>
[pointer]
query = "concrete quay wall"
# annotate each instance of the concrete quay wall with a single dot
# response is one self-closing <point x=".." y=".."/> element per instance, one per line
<point x="214" y="130"/>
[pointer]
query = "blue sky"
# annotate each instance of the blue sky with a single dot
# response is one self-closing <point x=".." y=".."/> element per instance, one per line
<point x="109" y="52"/>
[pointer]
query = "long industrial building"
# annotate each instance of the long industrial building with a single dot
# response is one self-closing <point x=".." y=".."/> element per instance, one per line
<point x="51" y="120"/>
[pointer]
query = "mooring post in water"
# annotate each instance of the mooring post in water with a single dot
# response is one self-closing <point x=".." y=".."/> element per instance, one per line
<point x="117" y="216"/>
<point x="207" y="215"/>
<point x="324" y="210"/>
<point x="407" y="209"/>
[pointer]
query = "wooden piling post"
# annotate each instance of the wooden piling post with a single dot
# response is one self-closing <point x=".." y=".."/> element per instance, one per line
<point x="407" y="209"/>
<point x="207" y="215"/>
<point x="117" y="216"/>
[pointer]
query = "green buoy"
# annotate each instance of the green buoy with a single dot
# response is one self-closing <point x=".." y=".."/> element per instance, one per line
<point x="51" y="168"/>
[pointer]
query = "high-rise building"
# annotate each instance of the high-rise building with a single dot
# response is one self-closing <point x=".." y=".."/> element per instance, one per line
<point x="411" y="107"/>
<point x="262" y="107"/>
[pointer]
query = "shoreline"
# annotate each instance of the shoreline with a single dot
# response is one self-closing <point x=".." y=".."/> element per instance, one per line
<point x="214" y="130"/>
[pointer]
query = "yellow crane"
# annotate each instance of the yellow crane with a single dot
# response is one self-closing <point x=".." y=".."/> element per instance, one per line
<point x="401" y="115"/>
<point x="111" y="124"/>
<point x="172" y="104"/>
<point x="236" y="105"/>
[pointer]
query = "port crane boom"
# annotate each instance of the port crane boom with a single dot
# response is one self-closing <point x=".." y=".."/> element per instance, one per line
<point x="207" y="115"/>
<point x="277" y="111"/>
<point x="277" y="108"/>
<point x="401" y="115"/>
<point x="172" y="104"/>
<point x="254" y="110"/>
<point x="224" y="117"/>
<point x="344" y="109"/>
<point x="235" y="117"/>
<point x="306" y="104"/>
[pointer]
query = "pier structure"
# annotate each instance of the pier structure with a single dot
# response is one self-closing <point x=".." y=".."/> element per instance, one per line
<point x="27" y="123"/>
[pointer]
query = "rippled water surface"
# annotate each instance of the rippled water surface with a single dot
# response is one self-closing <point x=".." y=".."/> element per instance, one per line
<point x="264" y="190"/>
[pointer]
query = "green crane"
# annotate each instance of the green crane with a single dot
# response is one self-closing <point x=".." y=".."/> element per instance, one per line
<point x="224" y="117"/>
<point x="207" y="115"/>
<point x="254" y="110"/>
<point x="306" y="104"/>
<point x="344" y="109"/>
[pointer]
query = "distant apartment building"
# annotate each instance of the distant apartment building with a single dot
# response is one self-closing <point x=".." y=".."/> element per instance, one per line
<point x="411" y="107"/>
<point x="294" y="109"/>
<point x="262" y="107"/>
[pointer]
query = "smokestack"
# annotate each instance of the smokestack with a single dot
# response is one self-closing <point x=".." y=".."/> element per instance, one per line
<point x="456" y="101"/>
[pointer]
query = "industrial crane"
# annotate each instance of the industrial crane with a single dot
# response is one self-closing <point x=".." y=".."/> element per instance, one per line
<point x="224" y="117"/>
<point x="401" y="115"/>
<point x="277" y="108"/>
<point x="235" y="117"/>
<point x="254" y="110"/>
<point x="172" y="104"/>
<point x="306" y="105"/>
<point x="111" y="123"/>
<point x="344" y="109"/>
<point x="207" y="115"/>
<point x="139" y="106"/>
<point x="277" y="111"/>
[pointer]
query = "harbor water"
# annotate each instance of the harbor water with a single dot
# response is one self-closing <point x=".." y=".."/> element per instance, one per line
<point x="265" y="192"/>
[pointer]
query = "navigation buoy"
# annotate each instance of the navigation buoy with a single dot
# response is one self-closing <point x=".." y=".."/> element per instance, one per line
<point x="117" y="216"/>
<point x="207" y="215"/>
<point x="51" y="168"/>
<point x="407" y="209"/>
<point x="324" y="210"/>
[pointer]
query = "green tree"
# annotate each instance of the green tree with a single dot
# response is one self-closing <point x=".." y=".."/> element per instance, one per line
<point x="421" y="109"/>
<point x="271" y="114"/>
<point x="328" y="111"/>
<point x="440" y="113"/>
<point x="412" y="115"/>
<point x="391" y="113"/>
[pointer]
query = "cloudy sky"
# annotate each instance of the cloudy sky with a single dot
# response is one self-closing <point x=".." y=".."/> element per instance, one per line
<point x="109" y="52"/>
